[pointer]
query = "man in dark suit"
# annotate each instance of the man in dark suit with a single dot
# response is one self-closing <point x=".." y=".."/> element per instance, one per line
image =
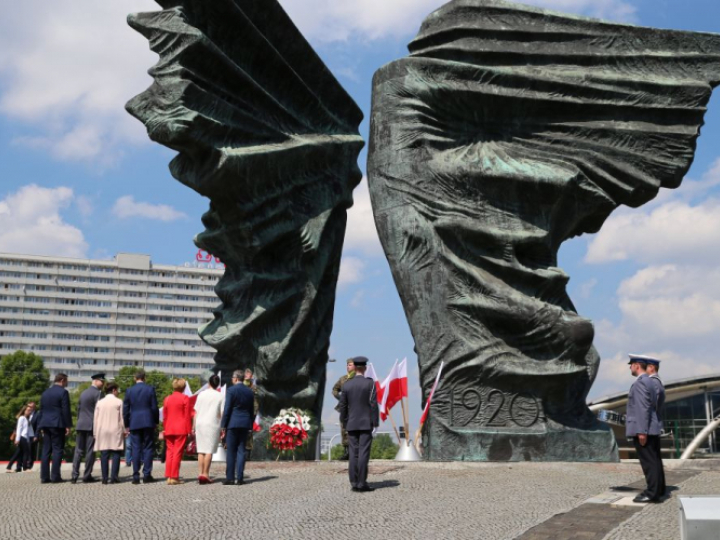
<point x="643" y="424"/>
<point x="236" y="423"/>
<point x="84" y="440"/>
<point x="55" y="422"/>
<point x="141" y="416"/>
<point x="359" y="413"/>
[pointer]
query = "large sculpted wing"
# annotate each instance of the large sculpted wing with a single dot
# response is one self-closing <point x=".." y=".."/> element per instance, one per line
<point x="508" y="130"/>
<point x="262" y="129"/>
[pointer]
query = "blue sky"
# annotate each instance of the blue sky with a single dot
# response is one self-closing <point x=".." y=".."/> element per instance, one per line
<point x="79" y="177"/>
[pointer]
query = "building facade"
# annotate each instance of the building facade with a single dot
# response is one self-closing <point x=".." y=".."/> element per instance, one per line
<point x="85" y="316"/>
<point x="691" y="405"/>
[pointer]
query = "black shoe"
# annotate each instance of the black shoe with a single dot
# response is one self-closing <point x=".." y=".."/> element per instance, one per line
<point x="366" y="488"/>
<point x="356" y="489"/>
<point x="114" y="481"/>
<point x="228" y="482"/>
<point x="642" y="498"/>
<point x="240" y="482"/>
<point x="148" y="480"/>
<point x="61" y="481"/>
<point x="73" y="480"/>
<point x="89" y="480"/>
<point x="104" y="482"/>
<point x="136" y="481"/>
<point x="45" y="481"/>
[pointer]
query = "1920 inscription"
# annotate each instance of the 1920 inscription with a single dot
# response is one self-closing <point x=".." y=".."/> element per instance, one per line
<point x="493" y="408"/>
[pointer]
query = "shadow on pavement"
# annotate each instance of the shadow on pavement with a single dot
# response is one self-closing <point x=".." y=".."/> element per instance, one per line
<point x="260" y="479"/>
<point x="385" y="484"/>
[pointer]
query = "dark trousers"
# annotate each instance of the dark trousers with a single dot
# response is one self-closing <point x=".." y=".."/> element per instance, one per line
<point x="652" y="466"/>
<point x="359" y="442"/>
<point x="84" y="446"/>
<point x="143" y="448"/>
<point x="20" y="457"/>
<point x="30" y="458"/>
<point x="105" y="457"/>
<point x="235" y="465"/>
<point x="53" y="446"/>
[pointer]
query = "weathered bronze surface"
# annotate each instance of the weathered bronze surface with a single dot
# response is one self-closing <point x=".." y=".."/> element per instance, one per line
<point x="265" y="132"/>
<point x="508" y="130"/>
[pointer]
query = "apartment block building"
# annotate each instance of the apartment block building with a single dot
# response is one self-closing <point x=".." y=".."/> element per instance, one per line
<point x="85" y="316"/>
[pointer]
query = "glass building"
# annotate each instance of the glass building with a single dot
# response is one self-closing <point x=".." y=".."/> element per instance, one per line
<point x="690" y="406"/>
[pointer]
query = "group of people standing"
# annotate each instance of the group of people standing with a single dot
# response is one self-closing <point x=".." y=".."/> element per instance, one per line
<point x="105" y="423"/>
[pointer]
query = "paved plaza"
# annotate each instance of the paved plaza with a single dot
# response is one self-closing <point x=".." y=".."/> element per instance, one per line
<point x="529" y="501"/>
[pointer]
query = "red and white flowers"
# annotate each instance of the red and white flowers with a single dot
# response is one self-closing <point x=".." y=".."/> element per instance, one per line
<point x="289" y="430"/>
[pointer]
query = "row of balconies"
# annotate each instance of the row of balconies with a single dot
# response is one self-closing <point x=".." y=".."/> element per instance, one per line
<point x="204" y="301"/>
<point x="90" y="320"/>
<point x="203" y="353"/>
<point x="203" y="290"/>
<point x="116" y="273"/>
<point x="50" y="341"/>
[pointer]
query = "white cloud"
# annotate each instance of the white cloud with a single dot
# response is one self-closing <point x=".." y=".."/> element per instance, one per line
<point x="351" y="271"/>
<point x="127" y="207"/>
<point x="84" y="206"/>
<point x="361" y="234"/>
<point x="331" y="20"/>
<point x="585" y="289"/>
<point x="30" y="222"/>
<point x="67" y="68"/>
<point x="673" y="229"/>
<point x="671" y="305"/>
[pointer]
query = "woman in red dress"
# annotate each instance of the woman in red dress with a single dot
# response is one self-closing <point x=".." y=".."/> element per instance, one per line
<point x="177" y="424"/>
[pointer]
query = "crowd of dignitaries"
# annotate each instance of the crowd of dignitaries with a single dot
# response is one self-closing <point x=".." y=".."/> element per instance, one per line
<point x="105" y="424"/>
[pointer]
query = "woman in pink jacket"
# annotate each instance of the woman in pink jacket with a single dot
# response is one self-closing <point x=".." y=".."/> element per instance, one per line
<point x="109" y="432"/>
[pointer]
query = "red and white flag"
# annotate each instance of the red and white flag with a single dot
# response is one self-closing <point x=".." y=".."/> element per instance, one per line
<point x="394" y="388"/>
<point x="426" y="410"/>
<point x="257" y="423"/>
<point x="379" y="389"/>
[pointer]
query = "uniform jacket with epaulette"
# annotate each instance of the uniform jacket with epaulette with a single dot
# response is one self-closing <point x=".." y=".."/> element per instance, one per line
<point x="642" y="408"/>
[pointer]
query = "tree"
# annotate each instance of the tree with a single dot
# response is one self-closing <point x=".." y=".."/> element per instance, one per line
<point x="383" y="447"/>
<point x="23" y="378"/>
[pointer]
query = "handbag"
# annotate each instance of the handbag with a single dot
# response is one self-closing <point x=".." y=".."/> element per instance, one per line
<point x="191" y="448"/>
<point x="12" y="436"/>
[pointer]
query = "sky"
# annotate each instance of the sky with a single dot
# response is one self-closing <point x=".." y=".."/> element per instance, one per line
<point x="80" y="178"/>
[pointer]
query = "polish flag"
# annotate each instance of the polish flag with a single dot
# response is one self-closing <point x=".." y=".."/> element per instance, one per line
<point x="379" y="388"/>
<point x="395" y="388"/>
<point x="257" y="423"/>
<point x="426" y="410"/>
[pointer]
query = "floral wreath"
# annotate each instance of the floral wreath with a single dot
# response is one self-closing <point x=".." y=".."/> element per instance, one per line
<point x="289" y="430"/>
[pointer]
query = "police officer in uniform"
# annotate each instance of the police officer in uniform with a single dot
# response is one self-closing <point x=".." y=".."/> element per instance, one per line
<point x="653" y="366"/>
<point x="84" y="440"/>
<point x="643" y="425"/>
<point x="336" y="392"/>
<point x="360" y="416"/>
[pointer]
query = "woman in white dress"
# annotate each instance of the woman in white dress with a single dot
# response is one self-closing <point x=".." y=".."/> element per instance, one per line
<point x="208" y="411"/>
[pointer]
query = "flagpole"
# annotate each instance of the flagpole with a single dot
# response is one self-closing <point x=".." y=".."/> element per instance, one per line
<point x="405" y="421"/>
<point x="397" y="433"/>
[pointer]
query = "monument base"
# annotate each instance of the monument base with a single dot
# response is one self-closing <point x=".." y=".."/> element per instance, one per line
<point x="555" y="443"/>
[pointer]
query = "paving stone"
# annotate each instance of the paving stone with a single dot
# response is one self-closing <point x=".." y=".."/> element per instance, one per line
<point x="418" y="501"/>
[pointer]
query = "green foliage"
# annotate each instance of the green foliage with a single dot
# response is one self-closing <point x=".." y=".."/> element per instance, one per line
<point x="383" y="447"/>
<point x="23" y="378"/>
